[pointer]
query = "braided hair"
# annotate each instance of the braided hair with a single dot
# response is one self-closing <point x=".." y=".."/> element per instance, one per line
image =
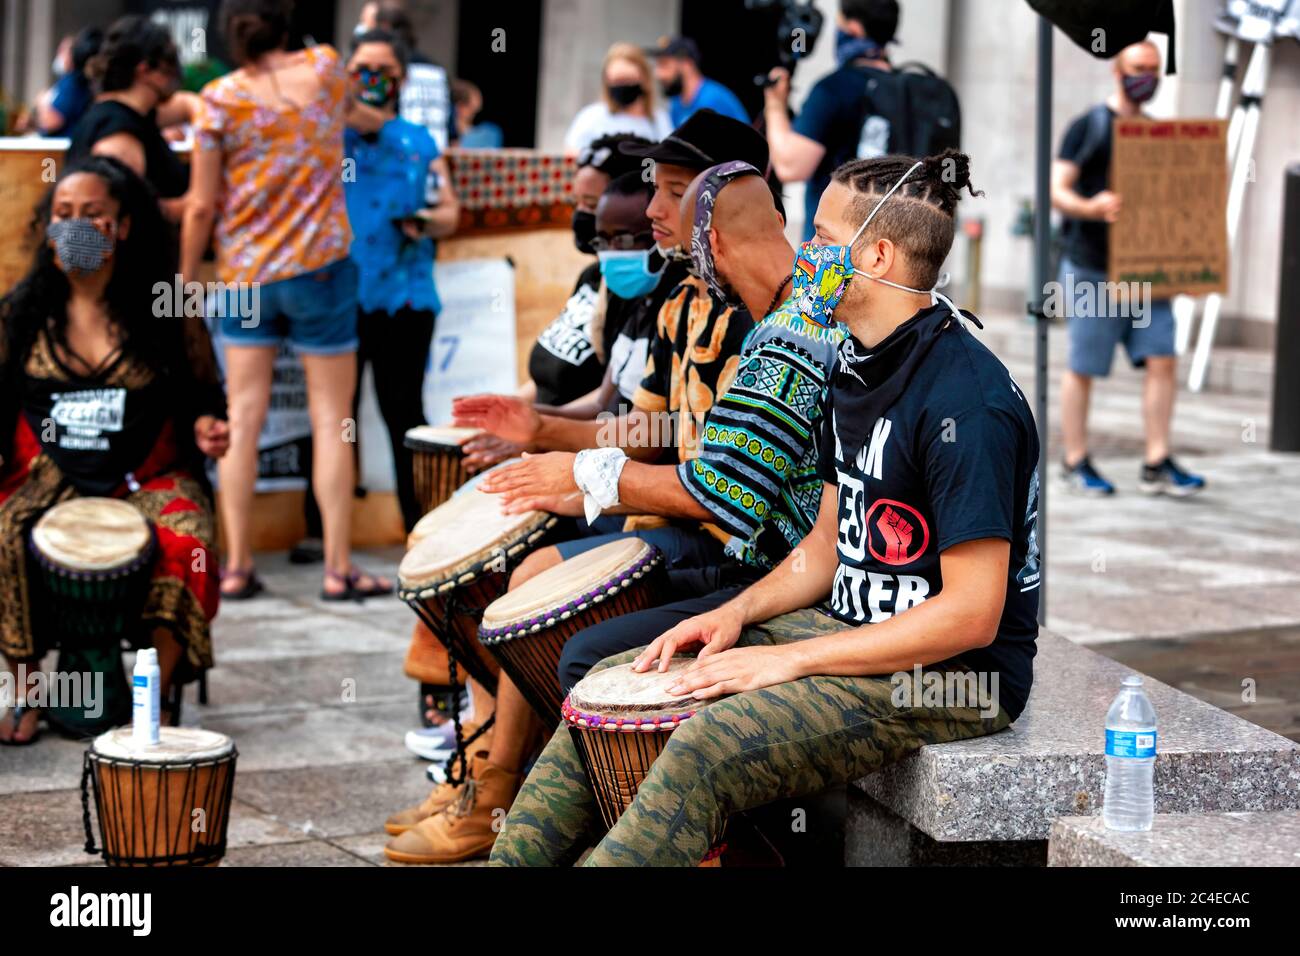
<point x="920" y="216"/>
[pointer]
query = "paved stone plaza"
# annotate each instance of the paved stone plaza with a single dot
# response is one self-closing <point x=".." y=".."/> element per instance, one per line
<point x="1182" y="590"/>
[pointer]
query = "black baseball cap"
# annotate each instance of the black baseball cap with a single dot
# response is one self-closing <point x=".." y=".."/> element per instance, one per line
<point x="683" y="47"/>
<point x="705" y="139"/>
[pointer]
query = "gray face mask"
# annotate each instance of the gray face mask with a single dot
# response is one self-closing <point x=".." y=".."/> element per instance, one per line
<point x="79" y="246"/>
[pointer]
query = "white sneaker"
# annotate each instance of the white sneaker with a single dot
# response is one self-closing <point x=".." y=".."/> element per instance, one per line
<point x="432" y="743"/>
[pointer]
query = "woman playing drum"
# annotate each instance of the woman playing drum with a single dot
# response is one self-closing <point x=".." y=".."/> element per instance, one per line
<point x="100" y="396"/>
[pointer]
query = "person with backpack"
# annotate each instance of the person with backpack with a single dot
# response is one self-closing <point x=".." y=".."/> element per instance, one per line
<point x="1080" y="176"/>
<point x="866" y="108"/>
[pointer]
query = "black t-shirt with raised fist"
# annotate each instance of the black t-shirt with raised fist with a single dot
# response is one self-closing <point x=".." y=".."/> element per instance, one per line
<point x="954" y="459"/>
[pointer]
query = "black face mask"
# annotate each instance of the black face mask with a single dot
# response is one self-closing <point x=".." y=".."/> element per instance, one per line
<point x="584" y="230"/>
<point x="673" y="87"/>
<point x="625" y="94"/>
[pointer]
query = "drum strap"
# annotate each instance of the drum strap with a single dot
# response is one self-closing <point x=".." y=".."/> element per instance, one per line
<point x="85" y="803"/>
<point x="458" y="763"/>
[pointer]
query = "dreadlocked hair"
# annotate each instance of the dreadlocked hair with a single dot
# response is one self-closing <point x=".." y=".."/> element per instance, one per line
<point x="920" y="216"/>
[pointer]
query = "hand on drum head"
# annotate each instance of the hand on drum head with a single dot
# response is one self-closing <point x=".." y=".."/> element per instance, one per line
<point x="484" y="451"/>
<point x="501" y="415"/>
<point x="537" y="476"/>
<point x="737" y="670"/>
<point x="717" y="630"/>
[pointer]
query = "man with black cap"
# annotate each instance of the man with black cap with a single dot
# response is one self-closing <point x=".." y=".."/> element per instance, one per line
<point x="694" y="357"/>
<point x="677" y="68"/>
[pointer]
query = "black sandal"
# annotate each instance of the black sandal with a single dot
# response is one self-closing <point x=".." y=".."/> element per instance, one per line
<point x="252" y="585"/>
<point x="350" y="590"/>
<point x="17" y="712"/>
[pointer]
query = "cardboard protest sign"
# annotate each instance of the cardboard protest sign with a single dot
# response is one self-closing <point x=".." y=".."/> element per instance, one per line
<point x="1172" y="231"/>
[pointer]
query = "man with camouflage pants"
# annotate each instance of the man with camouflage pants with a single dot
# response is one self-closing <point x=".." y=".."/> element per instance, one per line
<point x="794" y="738"/>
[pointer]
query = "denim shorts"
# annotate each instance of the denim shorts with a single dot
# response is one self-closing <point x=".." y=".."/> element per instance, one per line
<point x="1095" y="325"/>
<point x="316" y="311"/>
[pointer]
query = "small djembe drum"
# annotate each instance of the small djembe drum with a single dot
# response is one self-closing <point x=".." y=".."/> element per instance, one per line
<point x="621" y="721"/>
<point x="437" y="462"/>
<point x="94" y="557"/>
<point x="461" y="566"/>
<point x="91" y="562"/>
<point x="161" y="805"/>
<point x="527" y="628"/>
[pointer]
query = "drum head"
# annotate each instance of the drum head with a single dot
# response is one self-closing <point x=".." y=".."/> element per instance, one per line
<point x="175" y="745"/>
<point x="569" y="587"/>
<point x="639" y="700"/>
<point x="91" y="534"/>
<point x="464" y="534"/>
<point x="438" y="436"/>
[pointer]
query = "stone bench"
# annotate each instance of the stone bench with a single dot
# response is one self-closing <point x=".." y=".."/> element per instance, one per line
<point x="1181" y="839"/>
<point x="994" y="799"/>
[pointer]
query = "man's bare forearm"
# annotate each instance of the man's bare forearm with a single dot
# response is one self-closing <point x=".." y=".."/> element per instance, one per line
<point x="657" y="490"/>
<point x="566" y="434"/>
<point x="932" y="631"/>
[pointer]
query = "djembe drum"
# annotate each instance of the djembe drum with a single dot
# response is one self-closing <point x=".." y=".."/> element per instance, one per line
<point x="437" y="462"/>
<point x="527" y="628"/>
<point x="91" y="561"/>
<point x="621" y="721"/>
<point x="456" y="570"/>
<point x="161" y="805"/>
<point x="95" y="557"/>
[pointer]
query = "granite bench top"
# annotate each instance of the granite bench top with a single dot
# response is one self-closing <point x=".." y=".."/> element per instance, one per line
<point x="1051" y="763"/>
<point x="1181" y="839"/>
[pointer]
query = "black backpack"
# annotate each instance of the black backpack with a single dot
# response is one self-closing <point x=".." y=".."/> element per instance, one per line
<point x="929" y="115"/>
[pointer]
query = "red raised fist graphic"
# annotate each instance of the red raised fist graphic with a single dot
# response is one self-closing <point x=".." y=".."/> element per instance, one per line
<point x="897" y="532"/>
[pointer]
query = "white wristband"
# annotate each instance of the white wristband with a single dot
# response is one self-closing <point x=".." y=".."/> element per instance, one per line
<point x="596" y="472"/>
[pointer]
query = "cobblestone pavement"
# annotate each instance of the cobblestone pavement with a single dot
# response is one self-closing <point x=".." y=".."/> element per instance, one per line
<point x="1203" y="593"/>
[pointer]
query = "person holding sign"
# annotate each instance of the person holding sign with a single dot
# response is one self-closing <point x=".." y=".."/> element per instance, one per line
<point x="1099" y="317"/>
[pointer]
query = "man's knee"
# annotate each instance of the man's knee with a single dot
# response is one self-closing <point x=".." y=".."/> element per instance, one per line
<point x="535" y="564"/>
<point x="581" y="653"/>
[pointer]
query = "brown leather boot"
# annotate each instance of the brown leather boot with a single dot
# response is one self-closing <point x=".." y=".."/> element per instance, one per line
<point x="439" y="798"/>
<point x="466" y="829"/>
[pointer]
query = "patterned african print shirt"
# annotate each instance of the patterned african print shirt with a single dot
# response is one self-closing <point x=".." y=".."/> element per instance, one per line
<point x="756" y="471"/>
<point x="693" y="359"/>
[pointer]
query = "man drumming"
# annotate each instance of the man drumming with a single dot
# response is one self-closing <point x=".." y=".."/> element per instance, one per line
<point x="924" y="543"/>
<point x="694" y="355"/>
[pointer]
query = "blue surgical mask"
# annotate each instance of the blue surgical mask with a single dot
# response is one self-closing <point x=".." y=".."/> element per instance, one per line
<point x="627" y="272"/>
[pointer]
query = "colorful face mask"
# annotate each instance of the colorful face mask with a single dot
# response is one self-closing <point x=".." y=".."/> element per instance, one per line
<point x="79" y="246"/>
<point x="375" y="87"/>
<point x="701" y="248"/>
<point x="822" y="273"/>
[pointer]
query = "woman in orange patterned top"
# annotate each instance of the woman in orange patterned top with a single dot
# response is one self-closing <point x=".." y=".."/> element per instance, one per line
<point x="268" y="173"/>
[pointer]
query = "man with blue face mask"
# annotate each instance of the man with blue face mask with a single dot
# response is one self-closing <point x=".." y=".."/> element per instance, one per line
<point x="920" y="567"/>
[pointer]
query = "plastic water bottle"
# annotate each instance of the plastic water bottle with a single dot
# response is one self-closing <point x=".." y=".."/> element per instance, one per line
<point x="146" y="698"/>
<point x="1130" y="759"/>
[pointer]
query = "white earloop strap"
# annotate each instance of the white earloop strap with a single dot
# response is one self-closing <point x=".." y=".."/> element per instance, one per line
<point x="902" y="179"/>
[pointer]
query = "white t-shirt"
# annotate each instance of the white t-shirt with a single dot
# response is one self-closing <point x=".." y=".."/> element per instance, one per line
<point x="426" y="100"/>
<point x="595" y="120"/>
